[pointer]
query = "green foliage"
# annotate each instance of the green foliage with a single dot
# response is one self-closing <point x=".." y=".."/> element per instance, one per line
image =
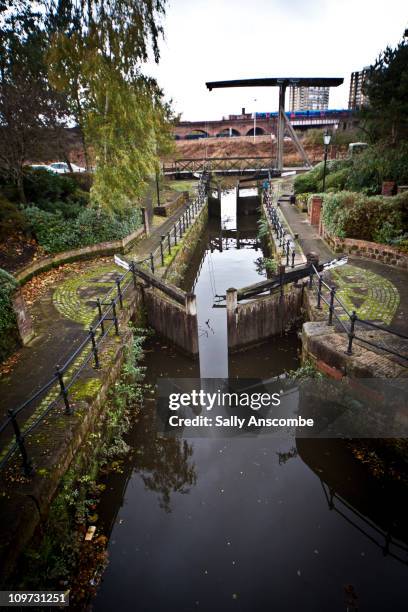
<point x="364" y="172"/>
<point x="11" y="219"/>
<point x="377" y="164"/>
<point x="355" y="215"/>
<point x="263" y="229"/>
<point x="55" y="233"/>
<point x="385" y="117"/>
<point x="8" y="323"/>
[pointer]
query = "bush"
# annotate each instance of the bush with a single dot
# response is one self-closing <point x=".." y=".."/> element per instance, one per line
<point x="55" y="233"/>
<point x="377" y="164"/>
<point x="355" y="215"/>
<point x="337" y="171"/>
<point x="8" y="323"/>
<point x="11" y="218"/>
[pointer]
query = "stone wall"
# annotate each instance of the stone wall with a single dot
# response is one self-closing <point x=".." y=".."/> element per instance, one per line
<point x="56" y="442"/>
<point x="326" y="347"/>
<point x="177" y="267"/>
<point x="383" y="253"/>
<point x="167" y="209"/>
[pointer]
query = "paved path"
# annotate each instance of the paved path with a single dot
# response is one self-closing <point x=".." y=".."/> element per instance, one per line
<point x="61" y="317"/>
<point x="376" y="291"/>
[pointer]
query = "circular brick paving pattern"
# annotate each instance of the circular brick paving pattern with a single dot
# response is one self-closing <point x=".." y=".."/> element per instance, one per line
<point x="75" y="298"/>
<point x="372" y="296"/>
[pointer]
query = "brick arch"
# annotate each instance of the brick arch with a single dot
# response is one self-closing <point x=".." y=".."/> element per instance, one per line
<point x="226" y="132"/>
<point x="197" y="133"/>
<point x="258" y="131"/>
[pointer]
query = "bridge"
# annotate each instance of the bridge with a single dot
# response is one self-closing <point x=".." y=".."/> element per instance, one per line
<point x="259" y="165"/>
<point x="262" y="124"/>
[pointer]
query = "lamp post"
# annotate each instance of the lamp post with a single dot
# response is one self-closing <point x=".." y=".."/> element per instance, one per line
<point x="326" y="140"/>
<point x="254" y="119"/>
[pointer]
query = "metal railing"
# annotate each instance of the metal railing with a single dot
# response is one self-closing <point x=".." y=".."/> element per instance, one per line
<point x="172" y="238"/>
<point x="283" y="238"/>
<point x="347" y="320"/>
<point x="107" y="320"/>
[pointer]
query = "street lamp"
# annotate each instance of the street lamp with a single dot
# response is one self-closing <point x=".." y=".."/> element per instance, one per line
<point x="326" y="140"/>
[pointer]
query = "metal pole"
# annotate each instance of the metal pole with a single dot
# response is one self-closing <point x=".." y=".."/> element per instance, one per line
<point x="175" y="234"/>
<point x="120" y="296"/>
<point x="27" y="465"/>
<point x="319" y="292"/>
<point x="101" y="323"/>
<point x="157" y="188"/>
<point x="115" y="318"/>
<point x="152" y="263"/>
<point x="133" y="268"/>
<point x="293" y="258"/>
<point x="353" y="319"/>
<point x="324" y="168"/>
<point x="64" y="391"/>
<point x="161" y="250"/>
<point x="331" y="307"/>
<point x="169" y="242"/>
<point x="94" y="347"/>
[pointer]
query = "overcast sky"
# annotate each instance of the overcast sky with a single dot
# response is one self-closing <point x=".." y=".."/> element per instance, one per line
<point x="209" y="40"/>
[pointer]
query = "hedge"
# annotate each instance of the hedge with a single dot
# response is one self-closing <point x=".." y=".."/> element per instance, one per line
<point x="93" y="225"/>
<point x="377" y="218"/>
<point x="9" y="337"/>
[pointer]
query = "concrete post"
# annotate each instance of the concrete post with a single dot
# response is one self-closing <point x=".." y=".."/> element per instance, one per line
<point x="146" y="223"/>
<point x="191" y="322"/>
<point x="191" y="304"/>
<point x="24" y="321"/>
<point x="232" y="319"/>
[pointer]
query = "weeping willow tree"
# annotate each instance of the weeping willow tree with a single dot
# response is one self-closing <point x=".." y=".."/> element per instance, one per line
<point x="96" y="55"/>
<point x="128" y="124"/>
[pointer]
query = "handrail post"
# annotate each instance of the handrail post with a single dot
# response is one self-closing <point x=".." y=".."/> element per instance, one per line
<point x="293" y="258"/>
<point x="94" y="347"/>
<point x="175" y="235"/>
<point x="169" y="242"/>
<point x="287" y="252"/>
<point x="27" y="465"/>
<point x="133" y="269"/>
<point x="120" y="296"/>
<point x="152" y="263"/>
<point x="64" y="392"/>
<point x="353" y="318"/>
<point x="101" y="323"/>
<point x="331" y="307"/>
<point x="319" y="292"/>
<point x="161" y="250"/>
<point x="115" y="318"/>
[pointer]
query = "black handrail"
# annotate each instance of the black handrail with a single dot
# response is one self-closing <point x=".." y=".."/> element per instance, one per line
<point x="353" y="317"/>
<point x="95" y="336"/>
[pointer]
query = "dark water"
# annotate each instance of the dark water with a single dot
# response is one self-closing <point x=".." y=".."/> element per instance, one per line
<point x="244" y="524"/>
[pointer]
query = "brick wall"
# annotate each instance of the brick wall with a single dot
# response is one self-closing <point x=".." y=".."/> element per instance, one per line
<point x="368" y="250"/>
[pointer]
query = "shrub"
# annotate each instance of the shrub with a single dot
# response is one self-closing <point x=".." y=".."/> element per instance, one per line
<point x="55" y="233"/>
<point x="11" y="218"/>
<point x="8" y="323"/>
<point x="355" y="215"/>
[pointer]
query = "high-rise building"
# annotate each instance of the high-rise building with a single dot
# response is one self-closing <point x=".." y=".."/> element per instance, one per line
<point x="357" y="98"/>
<point x="308" y="98"/>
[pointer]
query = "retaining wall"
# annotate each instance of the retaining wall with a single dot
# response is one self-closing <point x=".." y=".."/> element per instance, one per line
<point x="368" y="250"/>
<point x="56" y="442"/>
<point x="177" y="267"/>
<point x="94" y="250"/>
